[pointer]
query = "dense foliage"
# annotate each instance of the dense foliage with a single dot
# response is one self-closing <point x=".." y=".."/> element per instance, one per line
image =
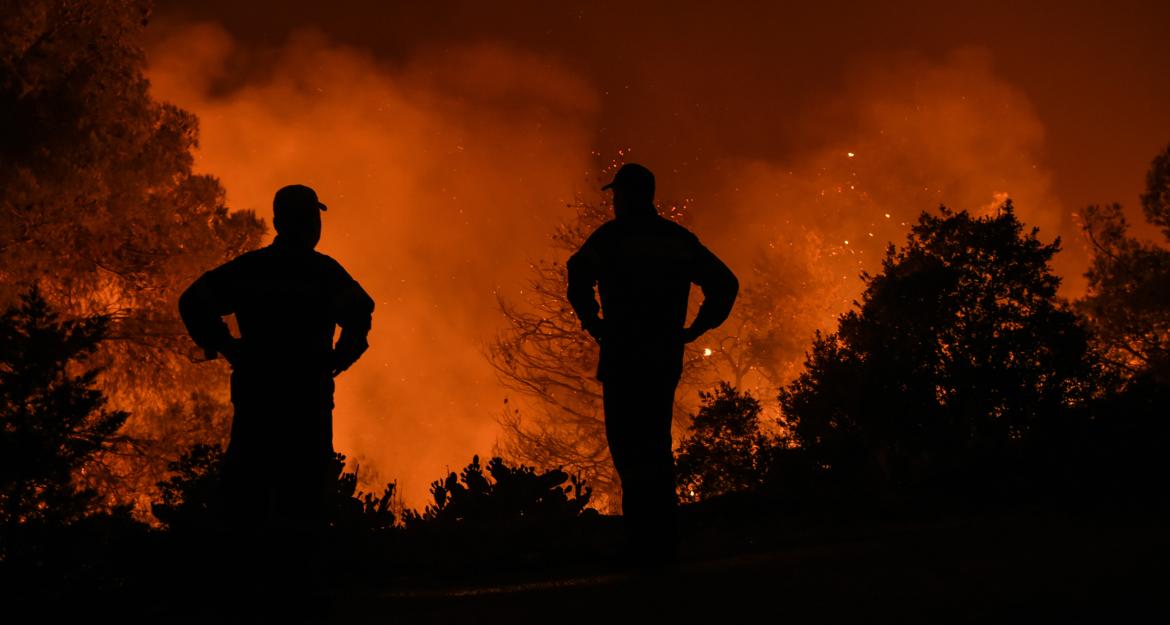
<point x="1126" y="305"/>
<point x="503" y="494"/>
<point x="100" y="208"/>
<point x="53" y="419"/>
<point x="959" y="362"/>
<point x="726" y="450"/>
<point x="189" y="497"/>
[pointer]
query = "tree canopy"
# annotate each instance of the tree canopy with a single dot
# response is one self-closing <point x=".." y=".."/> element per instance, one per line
<point x="726" y="450"/>
<point x="53" y="419"/>
<point x="1126" y="304"/>
<point x="958" y="356"/>
<point x="100" y="208"/>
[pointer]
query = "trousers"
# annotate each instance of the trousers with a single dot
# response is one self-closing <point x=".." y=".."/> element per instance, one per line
<point x="638" y="415"/>
<point x="279" y="467"/>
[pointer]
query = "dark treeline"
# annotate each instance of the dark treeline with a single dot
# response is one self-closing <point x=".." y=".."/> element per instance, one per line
<point x="101" y="211"/>
<point x="962" y="376"/>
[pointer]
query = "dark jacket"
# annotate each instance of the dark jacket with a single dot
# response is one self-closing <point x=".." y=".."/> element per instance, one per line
<point x="643" y="267"/>
<point x="288" y="302"/>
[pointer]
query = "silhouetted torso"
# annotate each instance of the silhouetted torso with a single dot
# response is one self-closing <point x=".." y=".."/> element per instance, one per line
<point x="643" y="266"/>
<point x="288" y="303"/>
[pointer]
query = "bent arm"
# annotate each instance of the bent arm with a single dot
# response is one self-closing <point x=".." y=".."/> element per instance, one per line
<point x="202" y="307"/>
<point x="719" y="286"/>
<point x="353" y="311"/>
<point x="582" y="273"/>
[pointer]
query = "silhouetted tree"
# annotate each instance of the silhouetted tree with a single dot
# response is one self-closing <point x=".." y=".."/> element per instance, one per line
<point x="791" y="292"/>
<point x="510" y="494"/>
<point x="545" y="357"/>
<point x="726" y="450"/>
<point x="958" y="359"/>
<point x="1156" y="199"/>
<point x="1127" y="308"/>
<point x="53" y="419"/>
<point x="100" y="208"/>
<point x="1126" y="304"/>
<point x="188" y="497"/>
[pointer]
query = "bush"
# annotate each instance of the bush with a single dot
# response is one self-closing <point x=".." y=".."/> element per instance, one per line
<point x="511" y="493"/>
<point x="190" y="496"/>
<point x="725" y="451"/>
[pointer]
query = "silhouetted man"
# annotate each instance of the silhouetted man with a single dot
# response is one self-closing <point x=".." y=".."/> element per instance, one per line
<point x="288" y="299"/>
<point x="643" y="266"/>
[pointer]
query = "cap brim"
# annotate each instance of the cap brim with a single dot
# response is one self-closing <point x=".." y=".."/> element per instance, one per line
<point x="607" y="187"/>
<point x="322" y="206"/>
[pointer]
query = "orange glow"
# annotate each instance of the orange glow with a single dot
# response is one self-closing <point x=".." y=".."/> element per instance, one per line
<point x="446" y="173"/>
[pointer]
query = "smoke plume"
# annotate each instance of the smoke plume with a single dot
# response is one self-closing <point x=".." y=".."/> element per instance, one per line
<point x="446" y="172"/>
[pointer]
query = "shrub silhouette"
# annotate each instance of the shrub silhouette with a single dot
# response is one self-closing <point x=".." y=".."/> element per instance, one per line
<point x="725" y="451"/>
<point x="510" y="494"/>
<point x="361" y="511"/>
<point x="189" y="498"/>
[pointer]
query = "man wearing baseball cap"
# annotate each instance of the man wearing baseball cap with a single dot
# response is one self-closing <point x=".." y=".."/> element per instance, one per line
<point x="279" y="470"/>
<point x="642" y="266"/>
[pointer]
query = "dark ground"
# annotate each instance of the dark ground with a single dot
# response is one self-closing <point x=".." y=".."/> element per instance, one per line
<point x="1020" y="566"/>
<point x="988" y="572"/>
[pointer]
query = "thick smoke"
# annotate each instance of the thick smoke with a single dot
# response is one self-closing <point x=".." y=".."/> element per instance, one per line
<point x="905" y="135"/>
<point x="444" y="178"/>
<point x="446" y="173"/>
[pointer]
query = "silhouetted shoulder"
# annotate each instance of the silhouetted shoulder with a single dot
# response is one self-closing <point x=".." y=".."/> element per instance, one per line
<point x="330" y="264"/>
<point x="349" y="297"/>
<point x="239" y="269"/>
<point x="604" y="231"/>
<point x="673" y="228"/>
<point x="600" y="239"/>
<point x="247" y="259"/>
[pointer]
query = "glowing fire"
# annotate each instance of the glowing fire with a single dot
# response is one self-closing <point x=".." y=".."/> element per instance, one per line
<point x="420" y="194"/>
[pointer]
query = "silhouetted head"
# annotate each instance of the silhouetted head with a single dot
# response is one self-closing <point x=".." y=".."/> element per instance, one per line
<point x="296" y="215"/>
<point x="633" y="191"/>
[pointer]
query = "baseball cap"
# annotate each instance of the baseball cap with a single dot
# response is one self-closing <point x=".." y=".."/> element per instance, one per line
<point x="632" y="176"/>
<point x="296" y="196"/>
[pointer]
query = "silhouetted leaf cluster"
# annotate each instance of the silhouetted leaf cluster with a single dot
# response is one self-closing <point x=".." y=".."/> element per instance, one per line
<point x="357" y="510"/>
<point x="509" y="494"/>
<point x="53" y="420"/>
<point x="1128" y="311"/>
<point x="190" y="497"/>
<point x="726" y="450"/>
<point x="1126" y="304"/>
<point x="959" y="362"/>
